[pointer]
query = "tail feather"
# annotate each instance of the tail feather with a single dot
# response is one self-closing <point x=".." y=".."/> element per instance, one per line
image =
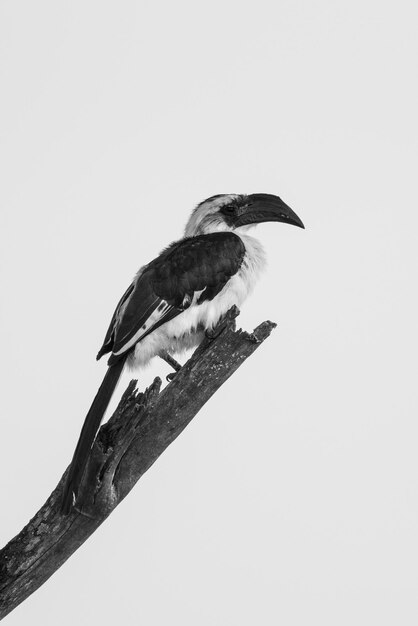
<point x="88" y="433"/>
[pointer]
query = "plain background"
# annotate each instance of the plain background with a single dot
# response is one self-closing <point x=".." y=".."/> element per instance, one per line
<point x="293" y="496"/>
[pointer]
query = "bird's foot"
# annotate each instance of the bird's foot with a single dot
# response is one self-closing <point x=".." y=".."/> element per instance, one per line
<point x="173" y="363"/>
<point x="169" y="359"/>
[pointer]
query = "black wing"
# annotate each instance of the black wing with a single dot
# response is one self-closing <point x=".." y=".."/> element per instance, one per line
<point x="109" y="337"/>
<point x="167" y="286"/>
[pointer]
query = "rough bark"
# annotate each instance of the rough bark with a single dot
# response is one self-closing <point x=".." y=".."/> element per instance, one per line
<point x="142" y="427"/>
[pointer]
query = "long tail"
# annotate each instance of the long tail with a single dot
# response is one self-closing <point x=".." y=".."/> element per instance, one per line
<point x="88" y="433"/>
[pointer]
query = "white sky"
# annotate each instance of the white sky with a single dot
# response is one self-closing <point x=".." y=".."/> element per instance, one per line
<point x="292" y="498"/>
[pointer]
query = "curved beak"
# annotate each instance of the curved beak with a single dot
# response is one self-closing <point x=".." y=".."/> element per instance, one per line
<point x="265" y="207"/>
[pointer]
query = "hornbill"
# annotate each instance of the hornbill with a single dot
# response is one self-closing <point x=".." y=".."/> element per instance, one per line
<point x="179" y="296"/>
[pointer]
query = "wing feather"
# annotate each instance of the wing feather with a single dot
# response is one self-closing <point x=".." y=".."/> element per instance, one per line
<point x="109" y="337"/>
<point x="187" y="273"/>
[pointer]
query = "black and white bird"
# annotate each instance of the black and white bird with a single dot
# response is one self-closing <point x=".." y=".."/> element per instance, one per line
<point x="179" y="296"/>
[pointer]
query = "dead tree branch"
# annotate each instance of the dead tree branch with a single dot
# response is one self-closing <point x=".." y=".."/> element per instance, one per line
<point x="142" y="427"/>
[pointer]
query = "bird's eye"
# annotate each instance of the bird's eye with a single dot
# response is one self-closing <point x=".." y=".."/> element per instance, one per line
<point x="229" y="209"/>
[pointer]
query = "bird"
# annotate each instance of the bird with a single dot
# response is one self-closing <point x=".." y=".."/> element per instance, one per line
<point x="178" y="297"/>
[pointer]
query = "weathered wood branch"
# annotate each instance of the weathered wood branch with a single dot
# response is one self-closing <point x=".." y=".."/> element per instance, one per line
<point x="142" y="427"/>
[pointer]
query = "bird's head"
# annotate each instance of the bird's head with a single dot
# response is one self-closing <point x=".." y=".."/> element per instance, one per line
<point x="233" y="211"/>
